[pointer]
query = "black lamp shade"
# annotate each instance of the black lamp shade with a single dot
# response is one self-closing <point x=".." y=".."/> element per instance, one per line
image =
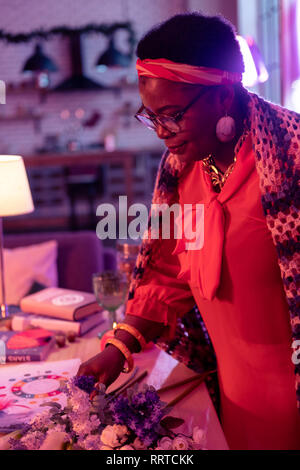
<point x="113" y="58"/>
<point x="39" y="62"/>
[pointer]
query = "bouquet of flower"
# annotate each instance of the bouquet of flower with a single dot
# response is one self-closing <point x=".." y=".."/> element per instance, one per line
<point x="95" y="420"/>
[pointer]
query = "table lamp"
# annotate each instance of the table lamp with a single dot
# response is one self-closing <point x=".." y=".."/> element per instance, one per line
<point x="15" y="199"/>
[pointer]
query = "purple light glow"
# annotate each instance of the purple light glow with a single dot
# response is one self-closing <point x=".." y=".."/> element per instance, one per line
<point x="250" y="77"/>
<point x="255" y="69"/>
<point x="298" y="27"/>
<point x="295" y="95"/>
<point x="258" y="60"/>
<point x="294" y="92"/>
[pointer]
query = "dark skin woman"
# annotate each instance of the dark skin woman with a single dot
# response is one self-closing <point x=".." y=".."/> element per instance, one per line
<point x="238" y="287"/>
<point x="160" y="96"/>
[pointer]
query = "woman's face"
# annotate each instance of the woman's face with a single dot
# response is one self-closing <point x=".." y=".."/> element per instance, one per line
<point x="197" y="136"/>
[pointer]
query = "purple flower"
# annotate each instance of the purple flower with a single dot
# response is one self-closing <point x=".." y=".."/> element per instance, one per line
<point x="26" y="428"/>
<point x="141" y="413"/>
<point x="85" y="383"/>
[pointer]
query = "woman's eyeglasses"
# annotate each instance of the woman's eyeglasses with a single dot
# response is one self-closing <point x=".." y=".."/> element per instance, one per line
<point x="170" y="123"/>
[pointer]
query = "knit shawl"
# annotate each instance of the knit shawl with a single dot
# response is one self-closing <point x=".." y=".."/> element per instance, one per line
<point x="275" y="133"/>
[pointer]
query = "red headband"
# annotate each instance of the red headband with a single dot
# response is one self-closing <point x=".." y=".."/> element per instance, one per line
<point x="163" y="68"/>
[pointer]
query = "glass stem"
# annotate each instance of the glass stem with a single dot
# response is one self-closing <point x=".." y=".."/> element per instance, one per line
<point x="112" y="318"/>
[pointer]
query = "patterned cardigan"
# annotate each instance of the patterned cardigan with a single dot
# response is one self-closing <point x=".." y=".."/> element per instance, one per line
<point x="275" y="133"/>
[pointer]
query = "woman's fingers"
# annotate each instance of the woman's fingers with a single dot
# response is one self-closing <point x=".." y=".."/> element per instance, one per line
<point x="105" y="366"/>
<point x="90" y="367"/>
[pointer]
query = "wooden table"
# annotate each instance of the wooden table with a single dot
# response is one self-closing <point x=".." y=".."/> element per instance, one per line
<point x="162" y="370"/>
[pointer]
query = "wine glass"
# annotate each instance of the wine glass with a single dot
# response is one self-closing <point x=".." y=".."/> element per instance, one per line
<point x="110" y="289"/>
<point x="127" y="252"/>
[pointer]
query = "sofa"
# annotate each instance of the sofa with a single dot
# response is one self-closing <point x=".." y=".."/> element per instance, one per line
<point x="80" y="254"/>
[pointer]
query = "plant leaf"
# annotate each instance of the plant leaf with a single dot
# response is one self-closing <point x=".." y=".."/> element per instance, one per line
<point x="52" y="404"/>
<point x="169" y="422"/>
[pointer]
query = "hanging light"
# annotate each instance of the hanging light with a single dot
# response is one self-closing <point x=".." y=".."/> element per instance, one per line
<point x="41" y="66"/>
<point x="39" y="62"/>
<point x="112" y="57"/>
<point x="255" y="69"/>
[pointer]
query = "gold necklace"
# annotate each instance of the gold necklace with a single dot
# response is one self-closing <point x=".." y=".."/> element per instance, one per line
<point x="218" y="178"/>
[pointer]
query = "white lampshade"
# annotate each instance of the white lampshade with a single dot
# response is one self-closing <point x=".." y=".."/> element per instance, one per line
<point x="15" y="194"/>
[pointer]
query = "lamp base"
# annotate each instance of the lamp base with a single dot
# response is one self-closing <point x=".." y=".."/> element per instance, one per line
<point x="6" y="311"/>
<point x="5" y="317"/>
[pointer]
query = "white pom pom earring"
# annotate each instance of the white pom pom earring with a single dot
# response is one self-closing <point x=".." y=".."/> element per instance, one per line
<point x="225" y="129"/>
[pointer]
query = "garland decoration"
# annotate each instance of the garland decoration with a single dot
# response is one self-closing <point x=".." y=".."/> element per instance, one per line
<point x="106" y="29"/>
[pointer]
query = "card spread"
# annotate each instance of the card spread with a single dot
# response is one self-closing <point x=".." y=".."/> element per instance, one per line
<point x="24" y="388"/>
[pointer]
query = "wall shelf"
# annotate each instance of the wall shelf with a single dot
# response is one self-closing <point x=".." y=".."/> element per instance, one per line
<point x="25" y="117"/>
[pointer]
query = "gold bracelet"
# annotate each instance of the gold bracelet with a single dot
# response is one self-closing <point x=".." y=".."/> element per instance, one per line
<point x="124" y="350"/>
<point x="134" y="332"/>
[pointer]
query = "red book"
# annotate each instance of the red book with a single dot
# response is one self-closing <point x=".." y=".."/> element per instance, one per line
<point x="30" y="345"/>
<point x="61" y="303"/>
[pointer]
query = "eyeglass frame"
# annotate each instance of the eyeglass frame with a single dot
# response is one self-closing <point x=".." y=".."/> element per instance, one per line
<point x="176" y="117"/>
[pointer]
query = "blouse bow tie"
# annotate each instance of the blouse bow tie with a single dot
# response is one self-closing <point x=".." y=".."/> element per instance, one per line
<point x="201" y="265"/>
<point x="201" y="256"/>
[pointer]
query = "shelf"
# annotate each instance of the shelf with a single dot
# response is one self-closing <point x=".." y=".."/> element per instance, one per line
<point x="20" y="90"/>
<point x="16" y="117"/>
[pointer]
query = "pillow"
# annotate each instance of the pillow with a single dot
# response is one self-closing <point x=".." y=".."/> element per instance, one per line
<point x="26" y="265"/>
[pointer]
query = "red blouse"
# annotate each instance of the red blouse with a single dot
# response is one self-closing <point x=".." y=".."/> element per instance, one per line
<point x="235" y="281"/>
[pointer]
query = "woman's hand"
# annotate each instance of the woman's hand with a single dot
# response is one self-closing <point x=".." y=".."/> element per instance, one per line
<point x="105" y="366"/>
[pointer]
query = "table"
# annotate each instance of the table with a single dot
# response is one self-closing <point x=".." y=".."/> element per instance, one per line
<point x="162" y="370"/>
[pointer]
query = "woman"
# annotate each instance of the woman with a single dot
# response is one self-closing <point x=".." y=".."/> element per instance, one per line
<point x="235" y="154"/>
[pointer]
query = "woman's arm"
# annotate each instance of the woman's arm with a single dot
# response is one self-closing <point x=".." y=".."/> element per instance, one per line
<point x="149" y="329"/>
<point x="107" y="365"/>
<point x="159" y="299"/>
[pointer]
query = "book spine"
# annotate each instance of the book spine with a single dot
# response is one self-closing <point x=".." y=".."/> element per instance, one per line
<point x="40" y="308"/>
<point x="19" y="358"/>
<point x="20" y="323"/>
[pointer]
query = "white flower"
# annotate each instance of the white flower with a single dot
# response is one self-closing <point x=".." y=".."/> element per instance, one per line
<point x="138" y="444"/>
<point x="92" y="442"/>
<point x="180" y="443"/>
<point x="33" y="439"/>
<point x="199" y="435"/>
<point x="58" y="428"/>
<point x="126" y="448"/>
<point x="81" y="424"/>
<point x="165" y="443"/>
<point x="122" y="431"/>
<point x="41" y="420"/>
<point x="78" y="400"/>
<point x="114" y="435"/>
<point x="94" y="422"/>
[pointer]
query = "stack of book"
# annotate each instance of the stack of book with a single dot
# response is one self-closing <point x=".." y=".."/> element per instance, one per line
<point x="59" y="310"/>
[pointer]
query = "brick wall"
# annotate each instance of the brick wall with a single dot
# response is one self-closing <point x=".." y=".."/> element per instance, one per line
<point x="19" y="16"/>
<point x="22" y="137"/>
